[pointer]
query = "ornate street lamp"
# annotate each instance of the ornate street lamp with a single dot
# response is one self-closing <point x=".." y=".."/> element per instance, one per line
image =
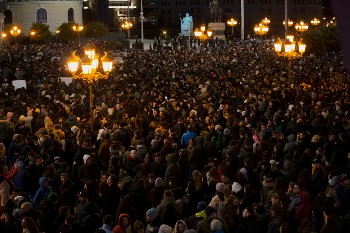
<point x="127" y="25"/>
<point x="78" y="28"/>
<point x="301" y="26"/>
<point x="232" y="22"/>
<point x="290" y="23"/>
<point x="289" y="50"/>
<point x="90" y="69"/>
<point x="15" y="32"/>
<point x="315" y="22"/>
<point x="261" y="29"/>
<point x="266" y="21"/>
<point x="203" y="34"/>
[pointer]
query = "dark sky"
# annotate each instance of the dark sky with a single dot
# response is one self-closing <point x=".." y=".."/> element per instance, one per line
<point x="341" y="9"/>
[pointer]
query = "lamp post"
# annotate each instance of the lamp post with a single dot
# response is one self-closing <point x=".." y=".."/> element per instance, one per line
<point x="141" y="17"/>
<point x="78" y="28"/>
<point x="231" y="22"/>
<point x="127" y="25"/>
<point x="15" y="31"/>
<point x="89" y="69"/>
<point x="290" y="50"/>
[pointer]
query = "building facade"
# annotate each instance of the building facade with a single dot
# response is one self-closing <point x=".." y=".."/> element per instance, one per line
<point x="52" y="13"/>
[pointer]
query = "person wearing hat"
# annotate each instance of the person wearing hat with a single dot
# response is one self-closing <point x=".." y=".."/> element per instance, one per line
<point x="152" y="221"/>
<point x="137" y="227"/>
<point x="218" y="200"/>
<point x="203" y="225"/>
<point x="198" y="216"/>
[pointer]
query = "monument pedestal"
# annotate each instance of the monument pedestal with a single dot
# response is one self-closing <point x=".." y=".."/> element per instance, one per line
<point x="218" y="29"/>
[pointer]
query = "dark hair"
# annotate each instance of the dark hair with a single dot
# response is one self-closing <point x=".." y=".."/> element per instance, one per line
<point x="108" y="219"/>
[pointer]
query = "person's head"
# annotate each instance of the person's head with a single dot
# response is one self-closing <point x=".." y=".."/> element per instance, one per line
<point x="29" y="224"/>
<point x="132" y="154"/>
<point x="330" y="191"/>
<point x="112" y="179"/>
<point x="215" y="225"/>
<point x="87" y="159"/>
<point x="157" y="157"/>
<point x="124" y="220"/>
<point x="151" y="214"/>
<point x="64" y="177"/>
<point x="181" y="226"/>
<point x="25" y="207"/>
<point x="297" y="188"/>
<point x="275" y="199"/>
<point x="139" y="227"/>
<point x="247" y="212"/>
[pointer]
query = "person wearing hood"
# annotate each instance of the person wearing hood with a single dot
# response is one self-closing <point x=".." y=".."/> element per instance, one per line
<point x="289" y="147"/>
<point x="123" y="223"/>
<point x="173" y="168"/>
<point x="43" y="191"/>
<point x="203" y="225"/>
<point x="180" y="227"/>
<point x="152" y="220"/>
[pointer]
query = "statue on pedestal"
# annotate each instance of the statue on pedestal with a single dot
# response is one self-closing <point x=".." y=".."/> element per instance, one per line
<point x="215" y="10"/>
<point x="186" y="25"/>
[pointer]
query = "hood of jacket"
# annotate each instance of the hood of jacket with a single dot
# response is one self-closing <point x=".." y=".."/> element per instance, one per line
<point x="42" y="181"/>
<point x="291" y="138"/>
<point x="120" y="219"/>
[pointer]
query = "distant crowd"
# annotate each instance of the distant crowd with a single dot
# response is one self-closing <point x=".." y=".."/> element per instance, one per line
<point x="200" y="138"/>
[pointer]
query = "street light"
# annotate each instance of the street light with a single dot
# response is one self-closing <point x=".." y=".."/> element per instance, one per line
<point x="261" y="29"/>
<point x="89" y="69"/>
<point x="232" y="22"/>
<point x="315" y="22"/>
<point x="15" y="31"/>
<point x="127" y="25"/>
<point x="203" y="34"/>
<point x="290" y="23"/>
<point x="289" y="50"/>
<point x="301" y="26"/>
<point x="266" y="21"/>
<point x="78" y="28"/>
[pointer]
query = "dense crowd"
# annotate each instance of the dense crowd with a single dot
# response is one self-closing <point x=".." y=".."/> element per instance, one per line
<point x="211" y="138"/>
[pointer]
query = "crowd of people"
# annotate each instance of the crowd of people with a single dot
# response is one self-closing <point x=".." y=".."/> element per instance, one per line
<point x="211" y="138"/>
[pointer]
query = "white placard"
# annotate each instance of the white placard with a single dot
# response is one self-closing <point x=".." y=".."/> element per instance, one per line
<point x="19" y="84"/>
<point x="66" y="80"/>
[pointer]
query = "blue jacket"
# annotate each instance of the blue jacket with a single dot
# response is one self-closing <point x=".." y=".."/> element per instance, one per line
<point x="42" y="193"/>
<point x="186" y="137"/>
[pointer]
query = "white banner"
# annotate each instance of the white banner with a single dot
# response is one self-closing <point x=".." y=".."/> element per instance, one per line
<point x="19" y="84"/>
<point x="66" y="80"/>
